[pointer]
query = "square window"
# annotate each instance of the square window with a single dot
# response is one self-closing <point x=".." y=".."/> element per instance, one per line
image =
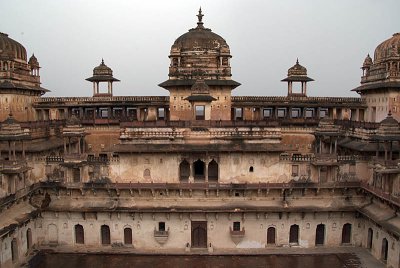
<point x="281" y="112"/>
<point x="295" y="170"/>
<point x="267" y="113"/>
<point x="161" y="226"/>
<point x="200" y="112"/>
<point x="236" y="226"/>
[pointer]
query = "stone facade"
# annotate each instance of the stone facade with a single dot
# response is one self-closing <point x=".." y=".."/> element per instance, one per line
<point x="199" y="170"/>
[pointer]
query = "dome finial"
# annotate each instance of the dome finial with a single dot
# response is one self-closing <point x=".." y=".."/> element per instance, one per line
<point x="297" y="61"/>
<point x="200" y="18"/>
<point x="102" y="61"/>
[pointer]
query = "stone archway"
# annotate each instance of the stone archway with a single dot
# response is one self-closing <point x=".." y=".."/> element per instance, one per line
<point x="346" y="233"/>
<point x="184" y="171"/>
<point x="320" y="235"/>
<point x="52" y="233"/>
<point x="271" y="236"/>
<point x="105" y="235"/>
<point x="128" y="236"/>
<point x="294" y="234"/>
<point x="369" y="238"/>
<point x="79" y="234"/>
<point x="385" y="248"/>
<point x="199" y="168"/>
<point x="213" y="172"/>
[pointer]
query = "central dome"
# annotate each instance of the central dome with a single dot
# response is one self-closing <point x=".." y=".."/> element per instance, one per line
<point x="199" y="38"/>
<point x="200" y="53"/>
<point x="388" y="49"/>
<point x="11" y="49"/>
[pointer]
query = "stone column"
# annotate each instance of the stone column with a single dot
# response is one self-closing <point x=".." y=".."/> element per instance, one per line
<point x="205" y="171"/>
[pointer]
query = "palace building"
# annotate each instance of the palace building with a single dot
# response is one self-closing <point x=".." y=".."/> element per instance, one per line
<point x="199" y="168"/>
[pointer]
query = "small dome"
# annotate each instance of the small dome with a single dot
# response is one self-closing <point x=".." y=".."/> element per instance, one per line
<point x="389" y="121"/>
<point x="297" y="70"/>
<point x="388" y="48"/>
<point x="199" y="38"/>
<point x="367" y="62"/>
<point x="33" y="62"/>
<point x="11" y="49"/>
<point x="102" y="69"/>
<point x="73" y="121"/>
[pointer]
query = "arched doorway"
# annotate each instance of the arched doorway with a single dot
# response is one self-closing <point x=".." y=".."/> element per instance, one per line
<point x="271" y="236"/>
<point x="128" y="236"/>
<point x="370" y="237"/>
<point x="14" y="250"/>
<point x="213" y="171"/>
<point x="79" y="234"/>
<point x="385" y="248"/>
<point x="53" y="233"/>
<point x="199" y="234"/>
<point x="184" y="171"/>
<point x="320" y="235"/>
<point x="199" y="170"/>
<point x="346" y="233"/>
<point x="294" y="234"/>
<point x="28" y="238"/>
<point x="105" y="235"/>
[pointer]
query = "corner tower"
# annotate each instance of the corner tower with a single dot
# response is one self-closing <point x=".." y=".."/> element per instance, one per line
<point x="380" y="81"/>
<point x="19" y="80"/>
<point x="200" y="56"/>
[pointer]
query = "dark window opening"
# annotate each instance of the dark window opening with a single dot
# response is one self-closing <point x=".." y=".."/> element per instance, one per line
<point x="346" y="233"/>
<point x="128" y="236"/>
<point x="14" y="250"/>
<point x="384" y="252"/>
<point x="294" y="234"/>
<point x="251" y="169"/>
<point x="28" y="238"/>
<point x="236" y="226"/>
<point x="199" y="170"/>
<point x="184" y="170"/>
<point x="271" y="233"/>
<point x="76" y="173"/>
<point x="213" y="171"/>
<point x="79" y="234"/>
<point x="320" y="235"/>
<point x="161" y="226"/>
<point x="295" y="170"/>
<point x="105" y="235"/>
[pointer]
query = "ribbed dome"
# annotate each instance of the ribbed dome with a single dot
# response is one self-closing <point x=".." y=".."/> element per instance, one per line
<point x="388" y="48"/>
<point x="10" y="48"/>
<point x="297" y="70"/>
<point x="199" y="38"/>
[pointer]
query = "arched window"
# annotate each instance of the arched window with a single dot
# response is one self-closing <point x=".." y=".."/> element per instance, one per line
<point x="294" y="234"/>
<point x="385" y="248"/>
<point x="184" y="170"/>
<point x="128" y="236"/>
<point x="199" y="170"/>
<point x="320" y="235"/>
<point x="14" y="250"/>
<point x="370" y="237"/>
<point x="213" y="171"/>
<point x="105" y="235"/>
<point x="79" y="234"/>
<point x="271" y="236"/>
<point x="147" y="174"/>
<point x="251" y="169"/>
<point x="28" y="238"/>
<point x="346" y="233"/>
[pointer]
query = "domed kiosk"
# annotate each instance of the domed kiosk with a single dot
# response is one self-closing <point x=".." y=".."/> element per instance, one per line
<point x="202" y="55"/>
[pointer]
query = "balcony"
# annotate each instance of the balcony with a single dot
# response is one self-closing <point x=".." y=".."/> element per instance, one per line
<point x="237" y="236"/>
<point x="325" y="160"/>
<point x="13" y="166"/>
<point x="161" y="236"/>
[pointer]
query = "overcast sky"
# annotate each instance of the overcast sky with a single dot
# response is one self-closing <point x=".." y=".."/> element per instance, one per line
<point x="330" y="38"/>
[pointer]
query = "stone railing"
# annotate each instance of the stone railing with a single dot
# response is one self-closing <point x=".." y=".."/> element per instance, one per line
<point x="80" y="100"/>
<point x="356" y="124"/>
<point x="305" y="99"/>
<point x="54" y="159"/>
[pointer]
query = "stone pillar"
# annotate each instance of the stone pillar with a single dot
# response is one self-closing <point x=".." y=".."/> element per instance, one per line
<point x="14" y="158"/>
<point x="9" y="150"/>
<point x="94" y="88"/>
<point x="23" y="149"/>
<point x="205" y="171"/>
<point x="65" y="146"/>
<point x="336" y="145"/>
<point x="79" y="145"/>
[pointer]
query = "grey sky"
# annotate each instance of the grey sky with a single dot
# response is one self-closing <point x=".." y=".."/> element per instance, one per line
<point x="69" y="38"/>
